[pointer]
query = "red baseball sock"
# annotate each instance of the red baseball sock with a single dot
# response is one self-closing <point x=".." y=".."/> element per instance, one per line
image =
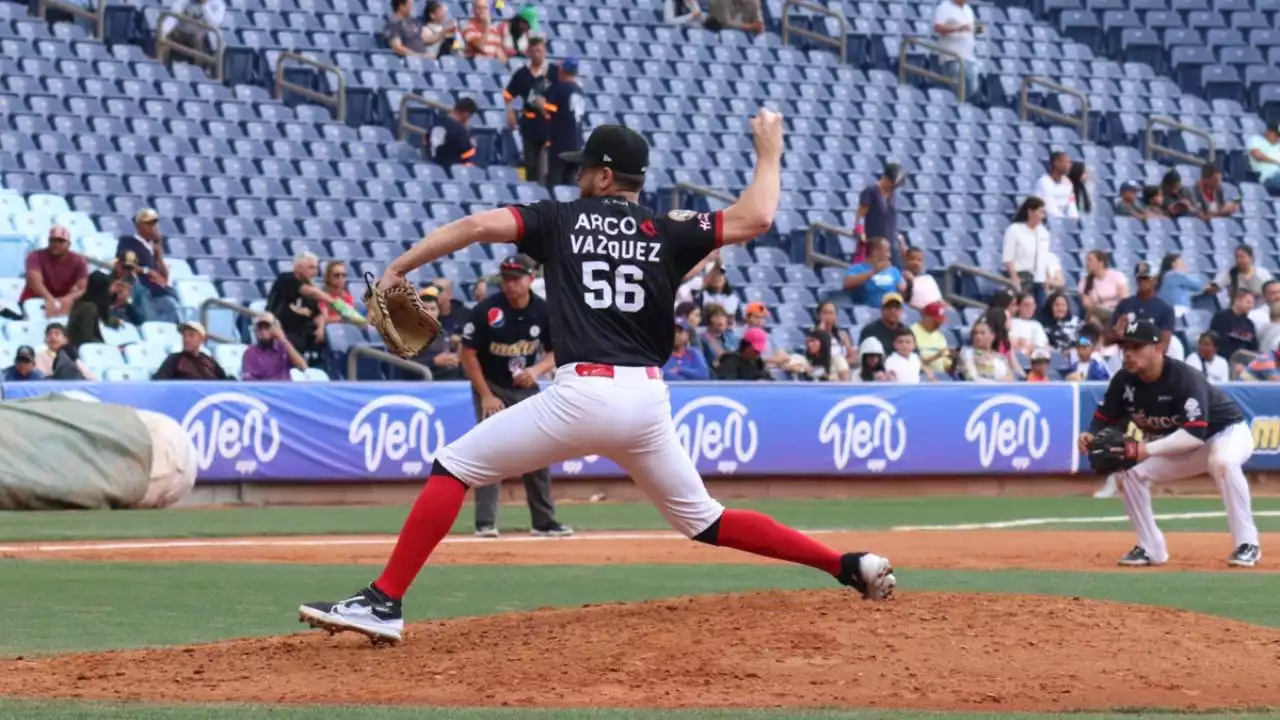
<point x="760" y="534"/>
<point x="429" y="521"/>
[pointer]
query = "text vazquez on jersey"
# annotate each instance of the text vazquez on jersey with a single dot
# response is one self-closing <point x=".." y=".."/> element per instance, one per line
<point x="616" y="238"/>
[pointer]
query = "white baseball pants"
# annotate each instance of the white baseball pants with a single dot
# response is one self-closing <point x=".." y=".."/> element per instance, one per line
<point x="625" y="418"/>
<point x="1222" y="457"/>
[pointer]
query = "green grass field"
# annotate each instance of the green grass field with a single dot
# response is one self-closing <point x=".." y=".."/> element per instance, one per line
<point x="54" y="606"/>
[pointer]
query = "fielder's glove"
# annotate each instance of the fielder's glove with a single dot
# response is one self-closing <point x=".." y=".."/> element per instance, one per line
<point x="1111" y="451"/>
<point x="400" y="317"/>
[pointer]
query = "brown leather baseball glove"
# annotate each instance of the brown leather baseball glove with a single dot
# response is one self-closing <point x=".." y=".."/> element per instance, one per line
<point x="400" y="317"/>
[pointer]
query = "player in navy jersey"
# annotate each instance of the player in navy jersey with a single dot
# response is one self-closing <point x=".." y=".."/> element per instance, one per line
<point x="612" y="268"/>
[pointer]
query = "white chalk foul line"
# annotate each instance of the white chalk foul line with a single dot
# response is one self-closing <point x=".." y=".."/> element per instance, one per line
<point x="1033" y="522"/>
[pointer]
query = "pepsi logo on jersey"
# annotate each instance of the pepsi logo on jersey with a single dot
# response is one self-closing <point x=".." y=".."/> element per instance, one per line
<point x="496" y="318"/>
<point x="866" y="428"/>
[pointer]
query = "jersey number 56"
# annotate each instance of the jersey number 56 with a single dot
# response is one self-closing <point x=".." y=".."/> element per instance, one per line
<point x="622" y="291"/>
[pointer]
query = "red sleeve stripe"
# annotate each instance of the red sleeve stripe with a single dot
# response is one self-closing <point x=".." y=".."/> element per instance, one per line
<point x="519" y="223"/>
<point x="1102" y="417"/>
<point x="1196" y="424"/>
<point x="717" y="219"/>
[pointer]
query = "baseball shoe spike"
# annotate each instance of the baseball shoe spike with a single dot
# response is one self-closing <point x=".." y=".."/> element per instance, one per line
<point x="869" y="574"/>
<point x="553" y="530"/>
<point x="1245" y="556"/>
<point x="368" y="612"/>
<point x="1137" y="557"/>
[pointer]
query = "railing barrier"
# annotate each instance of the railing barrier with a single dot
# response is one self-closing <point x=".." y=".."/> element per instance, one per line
<point x="904" y="68"/>
<point x="787" y="29"/>
<point x="337" y="101"/>
<point x="1026" y="108"/>
<point x="166" y="46"/>
<point x="1152" y="148"/>
<point x="97" y="16"/>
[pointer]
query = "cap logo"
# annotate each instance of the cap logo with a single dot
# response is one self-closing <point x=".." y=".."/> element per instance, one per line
<point x="606" y="158"/>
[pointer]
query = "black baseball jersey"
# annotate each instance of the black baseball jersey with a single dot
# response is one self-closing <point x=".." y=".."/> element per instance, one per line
<point x="527" y="87"/>
<point x="612" y="269"/>
<point x="450" y="143"/>
<point x="1180" y="399"/>
<point x="507" y="340"/>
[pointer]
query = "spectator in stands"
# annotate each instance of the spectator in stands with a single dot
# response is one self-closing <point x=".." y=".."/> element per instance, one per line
<point x="1233" y="327"/>
<point x="819" y="362"/>
<point x="295" y="302"/>
<point x="719" y="337"/>
<point x="1145" y="305"/>
<point x="1102" y="287"/>
<point x="442" y="355"/>
<point x="682" y="12"/>
<point x="1061" y="326"/>
<point x="567" y="107"/>
<point x="692" y="315"/>
<point x="713" y="288"/>
<point x="1244" y="275"/>
<point x="957" y="30"/>
<point x="56" y="273"/>
<point x="1269" y="329"/>
<point x="440" y="32"/>
<point x="869" y="281"/>
<point x="886" y="328"/>
<point x="1176" y="285"/>
<point x="23" y="368"/>
<point x="746" y="362"/>
<point x="529" y="85"/>
<point x="1080" y="181"/>
<point x="871" y="362"/>
<point x="109" y="301"/>
<point x="756" y="316"/>
<point x="921" y="289"/>
<point x="343" y="307"/>
<point x="1026" y="334"/>
<point x="60" y="361"/>
<point x="449" y="142"/>
<point x="686" y="361"/>
<point x="453" y="312"/>
<point x="1039" y="366"/>
<point x="480" y="290"/>
<point x="405" y="34"/>
<point x="1207" y="201"/>
<point x="1261" y="314"/>
<point x="878" y="214"/>
<point x="1127" y="204"/>
<point x="271" y="357"/>
<point x="741" y="15"/>
<point x="521" y="31"/>
<point x="1176" y="199"/>
<point x="825" y="319"/>
<point x="1026" y="248"/>
<point x="1054" y="188"/>
<point x="1153" y="203"/>
<point x="1208" y="360"/>
<point x="1264" y="368"/>
<point x="1264" y="157"/>
<point x="931" y="342"/>
<point x="144" y="251"/>
<point x="981" y="362"/>
<point x="483" y="37"/>
<point x="903" y="364"/>
<point x="1088" y="367"/>
<point x="209" y="12"/>
<point x="192" y="363"/>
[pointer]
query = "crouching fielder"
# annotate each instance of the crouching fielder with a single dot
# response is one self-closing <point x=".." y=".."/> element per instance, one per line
<point x="1190" y="426"/>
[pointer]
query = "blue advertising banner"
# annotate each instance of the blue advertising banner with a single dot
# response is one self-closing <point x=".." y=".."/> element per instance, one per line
<point x="344" y="431"/>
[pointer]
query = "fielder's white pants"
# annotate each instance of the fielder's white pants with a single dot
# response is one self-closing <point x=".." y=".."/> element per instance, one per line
<point x="625" y="418"/>
<point x="1222" y="457"/>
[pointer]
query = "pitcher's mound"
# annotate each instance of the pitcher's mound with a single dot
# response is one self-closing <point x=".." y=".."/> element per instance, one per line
<point x="818" y="648"/>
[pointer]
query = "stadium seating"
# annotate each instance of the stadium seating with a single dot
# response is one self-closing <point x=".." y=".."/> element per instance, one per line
<point x="92" y="132"/>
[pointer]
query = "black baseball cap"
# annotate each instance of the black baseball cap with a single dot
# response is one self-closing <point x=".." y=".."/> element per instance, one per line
<point x="616" y="147"/>
<point x="1144" y="332"/>
<point x="25" y="354"/>
<point x="518" y="265"/>
<point x="1143" y="270"/>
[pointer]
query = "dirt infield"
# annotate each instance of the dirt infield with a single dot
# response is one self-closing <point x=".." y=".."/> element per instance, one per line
<point x="957" y="550"/>
<point x="814" y="648"/>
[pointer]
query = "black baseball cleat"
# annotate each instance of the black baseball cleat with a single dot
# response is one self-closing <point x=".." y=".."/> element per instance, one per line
<point x="369" y="612"/>
<point x="1245" y="556"/>
<point x="1137" y="557"/>
<point x="869" y="574"/>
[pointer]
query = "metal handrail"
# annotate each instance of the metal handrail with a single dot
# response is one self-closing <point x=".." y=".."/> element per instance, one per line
<point x="951" y="295"/>
<point x="787" y="30"/>
<point x="1240" y="358"/>
<point x="337" y="101"/>
<point x="165" y="46"/>
<point x="1153" y="148"/>
<point x="225" y="305"/>
<point x="403" y="125"/>
<point x="358" y="351"/>
<point x="98" y="16"/>
<point x="812" y="257"/>
<point x="1025" y="108"/>
<point x="904" y="69"/>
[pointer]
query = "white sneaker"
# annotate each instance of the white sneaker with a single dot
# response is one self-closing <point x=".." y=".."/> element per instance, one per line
<point x="869" y="574"/>
<point x="1108" y="489"/>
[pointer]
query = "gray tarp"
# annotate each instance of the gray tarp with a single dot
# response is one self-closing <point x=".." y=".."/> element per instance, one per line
<point x="56" y="452"/>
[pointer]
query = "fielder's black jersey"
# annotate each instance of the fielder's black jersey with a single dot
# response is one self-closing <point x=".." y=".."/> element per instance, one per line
<point x="1180" y="399"/>
<point x="612" y="268"/>
<point x="507" y="339"/>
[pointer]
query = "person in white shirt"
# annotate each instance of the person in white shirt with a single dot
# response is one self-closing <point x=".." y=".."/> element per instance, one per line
<point x="904" y="364"/>
<point x="211" y="12"/>
<point x="1264" y="157"/>
<point x="1026" y="255"/>
<point x="957" y="30"/>
<point x="1026" y="334"/>
<point x="1207" y="360"/>
<point x="1261" y="313"/>
<point x="922" y="290"/>
<point x="1269" y="331"/>
<point x="1056" y="189"/>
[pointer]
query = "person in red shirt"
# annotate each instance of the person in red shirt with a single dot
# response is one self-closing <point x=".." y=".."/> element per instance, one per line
<point x="484" y="38"/>
<point x="56" y="274"/>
